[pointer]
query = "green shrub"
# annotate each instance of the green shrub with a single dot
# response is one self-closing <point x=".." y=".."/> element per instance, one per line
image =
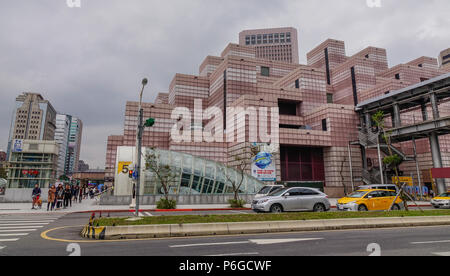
<point x="237" y="203"/>
<point x="166" y="204"/>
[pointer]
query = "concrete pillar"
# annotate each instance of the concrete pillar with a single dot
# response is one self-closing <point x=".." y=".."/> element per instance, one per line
<point x="434" y="106"/>
<point x="397" y="118"/>
<point x="368" y="121"/>
<point x="424" y="112"/>
<point x="437" y="161"/>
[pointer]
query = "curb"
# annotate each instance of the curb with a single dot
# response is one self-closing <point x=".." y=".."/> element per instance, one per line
<point x="163" y="210"/>
<point x="239" y="228"/>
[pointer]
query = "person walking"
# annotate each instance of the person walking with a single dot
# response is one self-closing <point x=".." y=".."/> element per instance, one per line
<point x="67" y="197"/>
<point x="35" y="195"/>
<point x="59" y="196"/>
<point x="51" y="200"/>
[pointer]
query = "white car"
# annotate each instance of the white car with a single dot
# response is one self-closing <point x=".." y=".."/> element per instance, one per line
<point x="266" y="190"/>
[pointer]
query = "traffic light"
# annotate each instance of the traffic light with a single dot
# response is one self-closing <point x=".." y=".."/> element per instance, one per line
<point x="130" y="174"/>
<point x="150" y="122"/>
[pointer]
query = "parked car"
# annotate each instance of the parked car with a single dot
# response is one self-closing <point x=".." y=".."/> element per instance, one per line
<point x="292" y="199"/>
<point x="379" y="187"/>
<point x="441" y="201"/>
<point x="369" y="200"/>
<point x="266" y="190"/>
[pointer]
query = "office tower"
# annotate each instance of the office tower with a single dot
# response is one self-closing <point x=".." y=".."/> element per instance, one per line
<point x="63" y="123"/>
<point x="277" y="44"/>
<point x="444" y="59"/>
<point x="34" y="118"/>
<point x="73" y="153"/>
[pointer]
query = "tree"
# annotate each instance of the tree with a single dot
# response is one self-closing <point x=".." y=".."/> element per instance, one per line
<point x="392" y="160"/>
<point x="242" y="161"/>
<point x="3" y="173"/>
<point x="341" y="173"/>
<point x="166" y="175"/>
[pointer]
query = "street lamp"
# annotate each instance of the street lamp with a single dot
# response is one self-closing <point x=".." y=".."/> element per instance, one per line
<point x="137" y="170"/>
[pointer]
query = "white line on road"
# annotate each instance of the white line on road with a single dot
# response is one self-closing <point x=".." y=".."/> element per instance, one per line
<point x="148" y="214"/>
<point x="17" y="230"/>
<point x="442" y="254"/>
<point x="277" y="241"/>
<point x="431" y="242"/>
<point x="12" y="235"/>
<point x="24" y="224"/>
<point x="20" y="227"/>
<point x="9" y="240"/>
<point x="208" y="244"/>
<point x="233" y="254"/>
<point x="26" y="221"/>
<point x="2" y="247"/>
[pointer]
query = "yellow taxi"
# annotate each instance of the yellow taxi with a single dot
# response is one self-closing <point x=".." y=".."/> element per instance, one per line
<point x="369" y="200"/>
<point x="442" y="201"/>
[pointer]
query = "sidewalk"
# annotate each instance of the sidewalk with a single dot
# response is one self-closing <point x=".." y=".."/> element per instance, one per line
<point x="91" y="205"/>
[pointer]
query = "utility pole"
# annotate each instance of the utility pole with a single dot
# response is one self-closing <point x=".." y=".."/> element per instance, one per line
<point x="138" y="158"/>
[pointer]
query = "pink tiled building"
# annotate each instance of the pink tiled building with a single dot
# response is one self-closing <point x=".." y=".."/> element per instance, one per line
<point x="277" y="44"/>
<point x="317" y="118"/>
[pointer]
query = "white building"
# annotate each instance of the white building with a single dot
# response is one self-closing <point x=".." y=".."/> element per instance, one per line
<point x="62" y="138"/>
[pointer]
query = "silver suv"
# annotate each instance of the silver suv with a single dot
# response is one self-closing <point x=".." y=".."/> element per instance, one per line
<point x="292" y="199"/>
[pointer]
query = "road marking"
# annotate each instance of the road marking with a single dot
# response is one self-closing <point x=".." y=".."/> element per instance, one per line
<point x="2" y="247"/>
<point x="431" y="242"/>
<point x="277" y="241"/>
<point x="12" y="235"/>
<point x="20" y="227"/>
<point x="233" y="254"/>
<point x="16" y="230"/>
<point x="148" y="214"/>
<point x="26" y="221"/>
<point x="23" y="224"/>
<point x="442" y="254"/>
<point x="9" y="240"/>
<point x="208" y="244"/>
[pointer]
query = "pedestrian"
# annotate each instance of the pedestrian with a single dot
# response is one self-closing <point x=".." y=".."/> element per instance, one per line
<point x="35" y="195"/>
<point x="51" y="200"/>
<point x="59" y="196"/>
<point x="67" y="197"/>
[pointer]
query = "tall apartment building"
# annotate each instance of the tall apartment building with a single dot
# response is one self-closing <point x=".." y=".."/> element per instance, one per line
<point x="74" y="146"/>
<point x="317" y="118"/>
<point x="444" y="59"/>
<point x="63" y="123"/>
<point x="34" y="118"/>
<point x="277" y="44"/>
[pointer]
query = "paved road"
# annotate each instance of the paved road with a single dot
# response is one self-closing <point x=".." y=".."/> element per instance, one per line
<point x="63" y="231"/>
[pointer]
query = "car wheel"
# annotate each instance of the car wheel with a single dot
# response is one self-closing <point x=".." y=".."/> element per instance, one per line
<point x="396" y="207"/>
<point x="319" y="207"/>
<point x="362" y="208"/>
<point x="276" y="208"/>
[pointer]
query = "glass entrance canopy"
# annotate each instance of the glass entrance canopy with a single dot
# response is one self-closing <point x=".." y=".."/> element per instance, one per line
<point x="194" y="175"/>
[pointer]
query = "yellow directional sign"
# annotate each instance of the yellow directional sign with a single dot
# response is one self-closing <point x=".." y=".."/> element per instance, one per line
<point x="123" y="167"/>
<point x="407" y="180"/>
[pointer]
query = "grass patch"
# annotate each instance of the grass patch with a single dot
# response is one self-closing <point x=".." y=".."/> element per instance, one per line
<point x="262" y="217"/>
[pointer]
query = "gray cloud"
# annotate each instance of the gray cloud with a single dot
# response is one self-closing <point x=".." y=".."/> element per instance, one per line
<point x="89" y="61"/>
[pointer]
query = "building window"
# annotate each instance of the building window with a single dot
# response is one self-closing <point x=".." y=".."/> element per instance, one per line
<point x="327" y="64"/>
<point x="297" y="83"/>
<point x="288" y="108"/>
<point x="355" y="90"/>
<point x="329" y="98"/>
<point x="397" y="76"/>
<point x="324" y="125"/>
<point x="265" y="71"/>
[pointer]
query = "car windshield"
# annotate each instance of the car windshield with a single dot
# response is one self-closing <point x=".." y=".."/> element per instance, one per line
<point x="279" y="192"/>
<point x="265" y="190"/>
<point x="357" y="194"/>
<point x="445" y="195"/>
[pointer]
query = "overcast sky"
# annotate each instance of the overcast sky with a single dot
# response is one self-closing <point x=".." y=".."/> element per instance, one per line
<point x="89" y="61"/>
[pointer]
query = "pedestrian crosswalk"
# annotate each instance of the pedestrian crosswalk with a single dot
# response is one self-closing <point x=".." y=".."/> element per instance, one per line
<point x="15" y="227"/>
